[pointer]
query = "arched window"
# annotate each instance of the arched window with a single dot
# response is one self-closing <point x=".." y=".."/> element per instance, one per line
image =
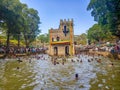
<point x="58" y="38"/>
<point x="52" y="39"/>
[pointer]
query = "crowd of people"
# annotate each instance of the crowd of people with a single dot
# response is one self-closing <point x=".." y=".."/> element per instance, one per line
<point x="22" y="50"/>
<point x="112" y="49"/>
<point x="115" y="48"/>
<point x="79" y="58"/>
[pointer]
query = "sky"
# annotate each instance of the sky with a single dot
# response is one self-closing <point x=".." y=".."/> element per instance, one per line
<point x="51" y="11"/>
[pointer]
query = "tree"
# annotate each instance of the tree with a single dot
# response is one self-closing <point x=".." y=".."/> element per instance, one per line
<point x="31" y="28"/>
<point x="44" y="38"/>
<point x="9" y="15"/>
<point x="97" y="34"/>
<point x="107" y="14"/>
<point x="81" y="39"/>
<point x="16" y="21"/>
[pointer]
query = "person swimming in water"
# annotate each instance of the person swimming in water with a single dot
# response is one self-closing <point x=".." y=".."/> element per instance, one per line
<point x="76" y="76"/>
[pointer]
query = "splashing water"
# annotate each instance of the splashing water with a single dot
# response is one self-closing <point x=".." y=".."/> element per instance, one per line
<point x="41" y="74"/>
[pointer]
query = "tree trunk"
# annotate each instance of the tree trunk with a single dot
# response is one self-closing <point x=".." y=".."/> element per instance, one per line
<point x="8" y="43"/>
<point x="18" y="40"/>
<point x="27" y="45"/>
<point x="26" y="42"/>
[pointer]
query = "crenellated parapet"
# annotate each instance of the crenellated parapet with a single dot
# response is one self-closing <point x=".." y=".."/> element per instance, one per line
<point x="61" y="39"/>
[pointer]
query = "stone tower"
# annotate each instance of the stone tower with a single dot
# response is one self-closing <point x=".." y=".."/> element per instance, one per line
<point x="62" y="40"/>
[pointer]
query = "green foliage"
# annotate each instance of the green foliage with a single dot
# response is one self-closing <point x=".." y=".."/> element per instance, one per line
<point x="95" y="33"/>
<point x="16" y="18"/>
<point x="98" y="33"/>
<point x="106" y="13"/>
<point x="44" y="38"/>
<point x="32" y="18"/>
<point x="12" y="42"/>
<point x="81" y="39"/>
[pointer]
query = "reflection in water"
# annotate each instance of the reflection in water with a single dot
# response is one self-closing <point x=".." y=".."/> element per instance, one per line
<point x="39" y="73"/>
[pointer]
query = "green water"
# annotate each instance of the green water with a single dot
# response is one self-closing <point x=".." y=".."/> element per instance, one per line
<point x="108" y="77"/>
<point x="43" y="75"/>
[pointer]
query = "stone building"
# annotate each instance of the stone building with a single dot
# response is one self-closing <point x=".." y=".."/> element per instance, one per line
<point x="62" y="39"/>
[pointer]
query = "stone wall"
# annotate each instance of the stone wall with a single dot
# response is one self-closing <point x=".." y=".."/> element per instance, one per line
<point x="61" y="49"/>
<point x="65" y="26"/>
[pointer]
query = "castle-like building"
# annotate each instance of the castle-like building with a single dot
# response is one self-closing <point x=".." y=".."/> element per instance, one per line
<point x="61" y="40"/>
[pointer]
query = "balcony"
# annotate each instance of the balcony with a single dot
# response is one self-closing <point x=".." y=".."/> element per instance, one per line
<point x="60" y="43"/>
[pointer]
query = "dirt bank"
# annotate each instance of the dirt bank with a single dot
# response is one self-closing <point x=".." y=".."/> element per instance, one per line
<point x="105" y="54"/>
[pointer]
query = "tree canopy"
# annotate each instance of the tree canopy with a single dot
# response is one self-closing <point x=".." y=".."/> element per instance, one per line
<point x="44" y="38"/>
<point x="17" y="19"/>
<point x="95" y="33"/>
<point x="81" y="39"/>
<point x="107" y="14"/>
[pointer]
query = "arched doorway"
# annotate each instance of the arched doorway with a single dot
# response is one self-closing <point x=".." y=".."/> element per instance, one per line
<point x="66" y="50"/>
<point x="55" y="51"/>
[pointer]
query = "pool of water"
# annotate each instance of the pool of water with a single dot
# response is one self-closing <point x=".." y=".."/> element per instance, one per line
<point x="33" y="73"/>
